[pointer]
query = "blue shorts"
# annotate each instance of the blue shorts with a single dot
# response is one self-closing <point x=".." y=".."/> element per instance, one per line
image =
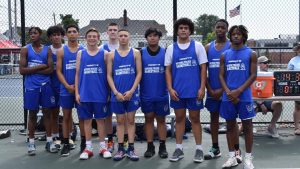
<point x="243" y="110"/>
<point x="187" y="103"/>
<point x="43" y="96"/>
<point x="212" y="105"/>
<point x="160" y="108"/>
<point x="67" y="102"/>
<point x="56" y="96"/>
<point x="109" y="112"/>
<point x="124" y="107"/>
<point x="89" y="110"/>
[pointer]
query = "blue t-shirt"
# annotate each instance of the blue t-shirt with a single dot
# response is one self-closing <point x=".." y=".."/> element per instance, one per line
<point x="237" y="71"/>
<point x="36" y="80"/>
<point x="213" y="56"/>
<point x="294" y="63"/>
<point x="185" y="71"/>
<point x="92" y="82"/>
<point x="68" y="69"/>
<point x="153" y="83"/>
<point x="124" y="73"/>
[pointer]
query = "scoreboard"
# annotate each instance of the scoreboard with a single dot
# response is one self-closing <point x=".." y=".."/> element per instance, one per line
<point x="287" y="83"/>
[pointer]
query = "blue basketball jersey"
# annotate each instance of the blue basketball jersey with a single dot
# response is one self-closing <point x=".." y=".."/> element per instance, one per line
<point x="68" y="69"/>
<point x="105" y="47"/>
<point x="153" y="83"/>
<point x="237" y="71"/>
<point x="54" y="79"/>
<point x="185" y="71"/>
<point x="92" y="84"/>
<point x="213" y="56"/>
<point x="36" y="80"/>
<point x="124" y="73"/>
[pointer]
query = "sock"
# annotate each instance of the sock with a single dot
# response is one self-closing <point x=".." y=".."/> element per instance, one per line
<point x="102" y="144"/>
<point x="199" y="147"/>
<point x="125" y="137"/>
<point x="65" y="140"/>
<point x="231" y="153"/>
<point x="162" y="142"/>
<point x="121" y="146"/>
<point x="82" y="138"/>
<point x="237" y="147"/>
<point x="55" y="135"/>
<point x="131" y="146"/>
<point x="150" y="144"/>
<point x="31" y="140"/>
<point x="110" y="137"/>
<point x="179" y="146"/>
<point x="248" y="154"/>
<point x="88" y="143"/>
<point x="215" y="145"/>
<point x="49" y="139"/>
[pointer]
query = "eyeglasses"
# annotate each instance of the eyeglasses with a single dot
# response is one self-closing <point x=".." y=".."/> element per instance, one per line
<point x="264" y="63"/>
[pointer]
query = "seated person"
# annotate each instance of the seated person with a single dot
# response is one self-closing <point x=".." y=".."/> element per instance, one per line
<point x="268" y="106"/>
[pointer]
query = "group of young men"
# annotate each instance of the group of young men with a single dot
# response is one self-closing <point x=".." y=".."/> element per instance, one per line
<point x="115" y="78"/>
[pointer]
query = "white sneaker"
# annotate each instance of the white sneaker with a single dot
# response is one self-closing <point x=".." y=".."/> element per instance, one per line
<point x="104" y="152"/>
<point x="248" y="163"/>
<point x="273" y="132"/>
<point x="86" y="154"/>
<point x="231" y="162"/>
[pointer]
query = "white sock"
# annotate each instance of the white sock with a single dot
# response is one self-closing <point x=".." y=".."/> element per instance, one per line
<point x="231" y="153"/>
<point x="179" y="146"/>
<point x="102" y="144"/>
<point x="55" y="135"/>
<point x="31" y="140"/>
<point x="248" y="154"/>
<point x="49" y="139"/>
<point x="199" y="147"/>
<point x="88" y="143"/>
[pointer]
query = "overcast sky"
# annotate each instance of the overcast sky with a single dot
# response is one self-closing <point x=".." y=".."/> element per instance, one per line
<point x="263" y="18"/>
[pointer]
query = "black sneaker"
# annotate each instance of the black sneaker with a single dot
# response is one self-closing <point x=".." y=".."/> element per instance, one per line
<point x="65" y="150"/>
<point x="213" y="153"/>
<point x="162" y="152"/>
<point x="82" y="146"/>
<point x="149" y="152"/>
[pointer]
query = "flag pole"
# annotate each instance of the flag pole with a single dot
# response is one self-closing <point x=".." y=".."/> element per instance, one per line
<point x="241" y="18"/>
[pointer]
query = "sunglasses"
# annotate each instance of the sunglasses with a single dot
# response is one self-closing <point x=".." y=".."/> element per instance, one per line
<point x="264" y="63"/>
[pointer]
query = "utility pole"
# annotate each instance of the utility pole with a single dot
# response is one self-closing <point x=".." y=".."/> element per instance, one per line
<point x="226" y="10"/>
<point x="10" y="35"/>
<point x="15" y="26"/>
<point x="54" y="18"/>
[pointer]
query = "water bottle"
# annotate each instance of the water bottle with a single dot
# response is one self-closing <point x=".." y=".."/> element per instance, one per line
<point x="12" y="135"/>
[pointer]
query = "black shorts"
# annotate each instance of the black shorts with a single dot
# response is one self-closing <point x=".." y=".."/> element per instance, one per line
<point x="268" y="105"/>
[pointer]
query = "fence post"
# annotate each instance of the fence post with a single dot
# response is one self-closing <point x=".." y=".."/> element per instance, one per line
<point x="174" y="19"/>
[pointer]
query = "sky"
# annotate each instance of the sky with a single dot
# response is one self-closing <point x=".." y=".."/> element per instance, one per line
<point x="265" y="19"/>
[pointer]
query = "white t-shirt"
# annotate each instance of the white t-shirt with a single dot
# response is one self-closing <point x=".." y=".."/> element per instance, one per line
<point x="294" y="63"/>
<point x="200" y="52"/>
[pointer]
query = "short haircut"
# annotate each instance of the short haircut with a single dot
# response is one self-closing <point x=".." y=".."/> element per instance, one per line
<point x="55" y="29"/>
<point x="36" y="28"/>
<point x="242" y="29"/>
<point x="92" y="30"/>
<point x="112" y="24"/>
<point x="120" y="30"/>
<point x="72" y="26"/>
<point x="153" y="30"/>
<point x="184" y="21"/>
<point x="224" y="21"/>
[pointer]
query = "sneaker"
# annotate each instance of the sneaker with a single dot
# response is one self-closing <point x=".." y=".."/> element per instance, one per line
<point x="65" y="150"/>
<point x="231" y="162"/>
<point x="177" y="155"/>
<point x="213" y="153"/>
<point x="50" y="147"/>
<point x="57" y="142"/>
<point x="248" y="163"/>
<point x="31" y="149"/>
<point x="238" y="156"/>
<point x="163" y="151"/>
<point x="273" y="132"/>
<point x="149" y="152"/>
<point x="82" y="146"/>
<point x="126" y="144"/>
<point x="104" y="152"/>
<point x="86" y="154"/>
<point x="119" y="155"/>
<point x="198" y="158"/>
<point x="110" y="146"/>
<point x="72" y="144"/>
<point x="132" y="155"/>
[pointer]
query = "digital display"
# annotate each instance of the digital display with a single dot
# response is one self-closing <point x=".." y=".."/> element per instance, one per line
<point x="287" y="83"/>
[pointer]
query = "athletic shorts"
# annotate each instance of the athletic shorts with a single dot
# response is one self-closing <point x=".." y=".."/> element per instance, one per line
<point x="43" y="96"/>
<point x="124" y="107"/>
<point x="187" y="103"/>
<point x="160" y="108"/>
<point x="213" y="105"/>
<point x="89" y="110"/>
<point x="68" y="102"/>
<point x="243" y="110"/>
<point x="268" y="105"/>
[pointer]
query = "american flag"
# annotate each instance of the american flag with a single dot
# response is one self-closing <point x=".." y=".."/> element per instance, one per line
<point x="234" y="12"/>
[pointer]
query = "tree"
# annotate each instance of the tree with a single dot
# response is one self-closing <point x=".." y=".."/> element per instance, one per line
<point x="68" y="20"/>
<point x="210" y="36"/>
<point x="204" y="24"/>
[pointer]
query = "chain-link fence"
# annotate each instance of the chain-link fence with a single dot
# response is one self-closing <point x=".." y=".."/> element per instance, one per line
<point x="272" y="32"/>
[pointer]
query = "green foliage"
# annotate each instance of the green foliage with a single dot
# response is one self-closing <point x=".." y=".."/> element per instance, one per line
<point x="68" y="20"/>
<point x="205" y="24"/>
<point x="210" y="36"/>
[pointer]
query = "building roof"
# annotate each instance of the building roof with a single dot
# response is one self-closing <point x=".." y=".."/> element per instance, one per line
<point x="136" y="27"/>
